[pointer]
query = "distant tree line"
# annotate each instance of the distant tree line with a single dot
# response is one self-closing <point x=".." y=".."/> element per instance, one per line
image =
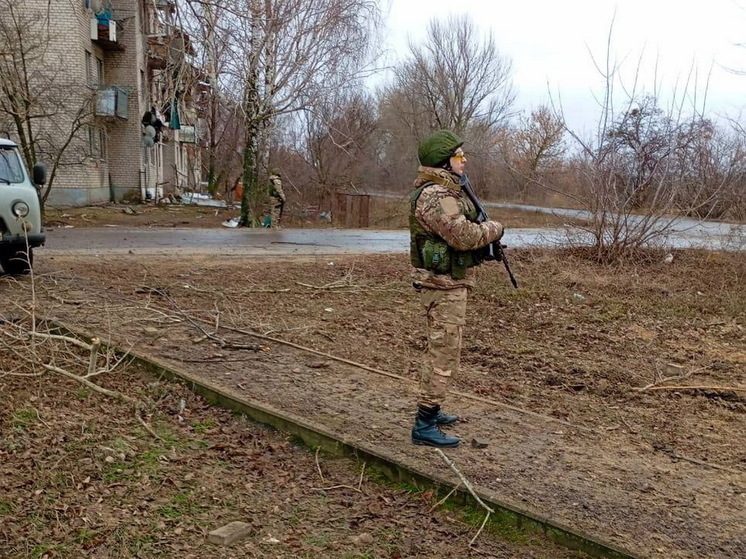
<point x="289" y="87"/>
<point x="310" y="113"/>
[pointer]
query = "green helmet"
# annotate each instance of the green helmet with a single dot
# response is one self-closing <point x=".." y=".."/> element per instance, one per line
<point x="438" y="147"/>
<point x="275" y="171"/>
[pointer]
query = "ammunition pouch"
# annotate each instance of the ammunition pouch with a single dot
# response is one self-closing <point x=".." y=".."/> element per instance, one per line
<point x="439" y="258"/>
<point x="436" y="257"/>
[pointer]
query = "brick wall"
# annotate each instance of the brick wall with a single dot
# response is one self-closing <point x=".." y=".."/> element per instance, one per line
<point x="125" y="69"/>
<point x="120" y="169"/>
<point x="84" y="177"/>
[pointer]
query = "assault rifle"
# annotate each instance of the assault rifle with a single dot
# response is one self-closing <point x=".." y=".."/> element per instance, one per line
<point x="495" y="248"/>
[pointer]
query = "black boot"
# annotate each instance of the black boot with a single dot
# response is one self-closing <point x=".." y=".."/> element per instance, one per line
<point x="427" y="432"/>
<point x="445" y="419"/>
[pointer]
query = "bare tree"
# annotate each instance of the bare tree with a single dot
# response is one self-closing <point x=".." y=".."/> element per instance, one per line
<point x="457" y="79"/>
<point x="338" y="135"/>
<point x="219" y="107"/>
<point x="285" y="55"/>
<point x="628" y="176"/>
<point x="711" y="171"/>
<point x="36" y="104"/>
<point x="534" y="148"/>
<point x="642" y="139"/>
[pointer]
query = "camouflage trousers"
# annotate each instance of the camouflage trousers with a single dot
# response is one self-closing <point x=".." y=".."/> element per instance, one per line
<point x="271" y="212"/>
<point x="274" y="212"/>
<point x="446" y="316"/>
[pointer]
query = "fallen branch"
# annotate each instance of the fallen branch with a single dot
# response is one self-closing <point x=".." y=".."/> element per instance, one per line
<point x="703" y="463"/>
<point x="463" y="479"/>
<point x="93" y="386"/>
<point x="76" y="302"/>
<point x="401" y="378"/>
<point x="713" y="388"/>
<point x="325" y="287"/>
<point x="147" y="427"/>
<point x="249" y="347"/>
<point x="95" y="345"/>
<point x="444" y="499"/>
<point x="360" y="481"/>
<point x="358" y="489"/>
<point x="109" y="365"/>
<point x="218" y="360"/>
<point x="659" y="380"/>
<point x="38" y="415"/>
<point x="471" y="489"/>
<point x="61" y="338"/>
<point x="484" y="522"/>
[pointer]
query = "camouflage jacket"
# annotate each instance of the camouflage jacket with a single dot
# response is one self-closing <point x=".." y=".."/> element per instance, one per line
<point x="275" y="187"/>
<point x="443" y="211"/>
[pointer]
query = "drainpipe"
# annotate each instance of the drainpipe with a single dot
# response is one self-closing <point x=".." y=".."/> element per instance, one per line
<point x="143" y="184"/>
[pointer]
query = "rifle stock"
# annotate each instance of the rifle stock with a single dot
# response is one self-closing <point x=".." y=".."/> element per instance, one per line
<point x="495" y="248"/>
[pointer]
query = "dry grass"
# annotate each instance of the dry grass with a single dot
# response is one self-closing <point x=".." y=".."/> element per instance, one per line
<point x="82" y="476"/>
<point x="575" y="342"/>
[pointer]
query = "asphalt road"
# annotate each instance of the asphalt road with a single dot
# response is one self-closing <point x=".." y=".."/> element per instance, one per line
<point x="244" y="241"/>
<point x="225" y="241"/>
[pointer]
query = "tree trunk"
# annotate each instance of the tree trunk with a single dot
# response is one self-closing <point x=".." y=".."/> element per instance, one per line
<point x="251" y="200"/>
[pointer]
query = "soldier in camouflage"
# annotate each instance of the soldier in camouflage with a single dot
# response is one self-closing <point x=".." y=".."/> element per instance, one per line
<point x="446" y="244"/>
<point x="275" y="199"/>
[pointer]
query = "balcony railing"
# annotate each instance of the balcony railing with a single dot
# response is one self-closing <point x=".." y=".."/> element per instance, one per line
<point x="169" y="46"/>
<point x="187" y="134"/>
<point x="104" y="33"/>
<point x="158" y="53"/>
<point x="112" y="101"/>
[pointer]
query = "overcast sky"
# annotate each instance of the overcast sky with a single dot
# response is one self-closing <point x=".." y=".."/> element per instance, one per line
<point x="550" y="43"/>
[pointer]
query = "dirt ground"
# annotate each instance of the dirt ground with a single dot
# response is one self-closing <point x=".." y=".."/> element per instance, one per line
<point x="551" y="378"/>
<point x="82" y="477"/>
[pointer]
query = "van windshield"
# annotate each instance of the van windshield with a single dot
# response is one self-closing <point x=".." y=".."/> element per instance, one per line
<point x="11" y="170"/>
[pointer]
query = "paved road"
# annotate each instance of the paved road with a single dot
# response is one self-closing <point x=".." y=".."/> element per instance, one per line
<point x="242" y="241"/>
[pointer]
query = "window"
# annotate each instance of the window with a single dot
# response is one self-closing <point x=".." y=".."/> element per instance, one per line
<point x="10" y="166"/>
<point x="102" y="143"/>
<point x="94" y="70"/>
<point x="97" y="143"/>
<point x="89" y="68"/>
<point x="99" y="71"/>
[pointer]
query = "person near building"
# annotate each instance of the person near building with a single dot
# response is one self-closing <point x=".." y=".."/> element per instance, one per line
<point x="446" y="244"/>
<point x="275" y="199"/>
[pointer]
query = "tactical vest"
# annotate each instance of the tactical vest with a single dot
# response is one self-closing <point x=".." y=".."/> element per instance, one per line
<point x="431" y="252"/>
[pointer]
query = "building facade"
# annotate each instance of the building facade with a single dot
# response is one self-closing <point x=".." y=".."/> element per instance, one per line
<point x="129" y="88"/>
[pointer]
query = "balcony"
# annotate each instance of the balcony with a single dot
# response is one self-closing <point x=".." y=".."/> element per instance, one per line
<point x="187" y="134"/>
<point x="104" y="33"/>
<point x="168" y="47"/>
<point x="112" y="102"/>
<point x="157" y="53"/>
<point x="166" y="5"/>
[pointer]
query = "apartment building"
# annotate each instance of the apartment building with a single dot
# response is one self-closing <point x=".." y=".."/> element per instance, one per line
<point x="127" y="66"/>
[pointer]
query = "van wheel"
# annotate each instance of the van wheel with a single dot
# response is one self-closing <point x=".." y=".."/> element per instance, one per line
<point x="16" y="263"/>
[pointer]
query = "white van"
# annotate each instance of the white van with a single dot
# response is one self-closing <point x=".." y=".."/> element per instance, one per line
<point x="20" y="211"/>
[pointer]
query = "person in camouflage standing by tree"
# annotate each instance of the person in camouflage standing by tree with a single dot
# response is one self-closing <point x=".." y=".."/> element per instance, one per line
<point x="446" y="243"/>
<point x="275" y="199"/>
